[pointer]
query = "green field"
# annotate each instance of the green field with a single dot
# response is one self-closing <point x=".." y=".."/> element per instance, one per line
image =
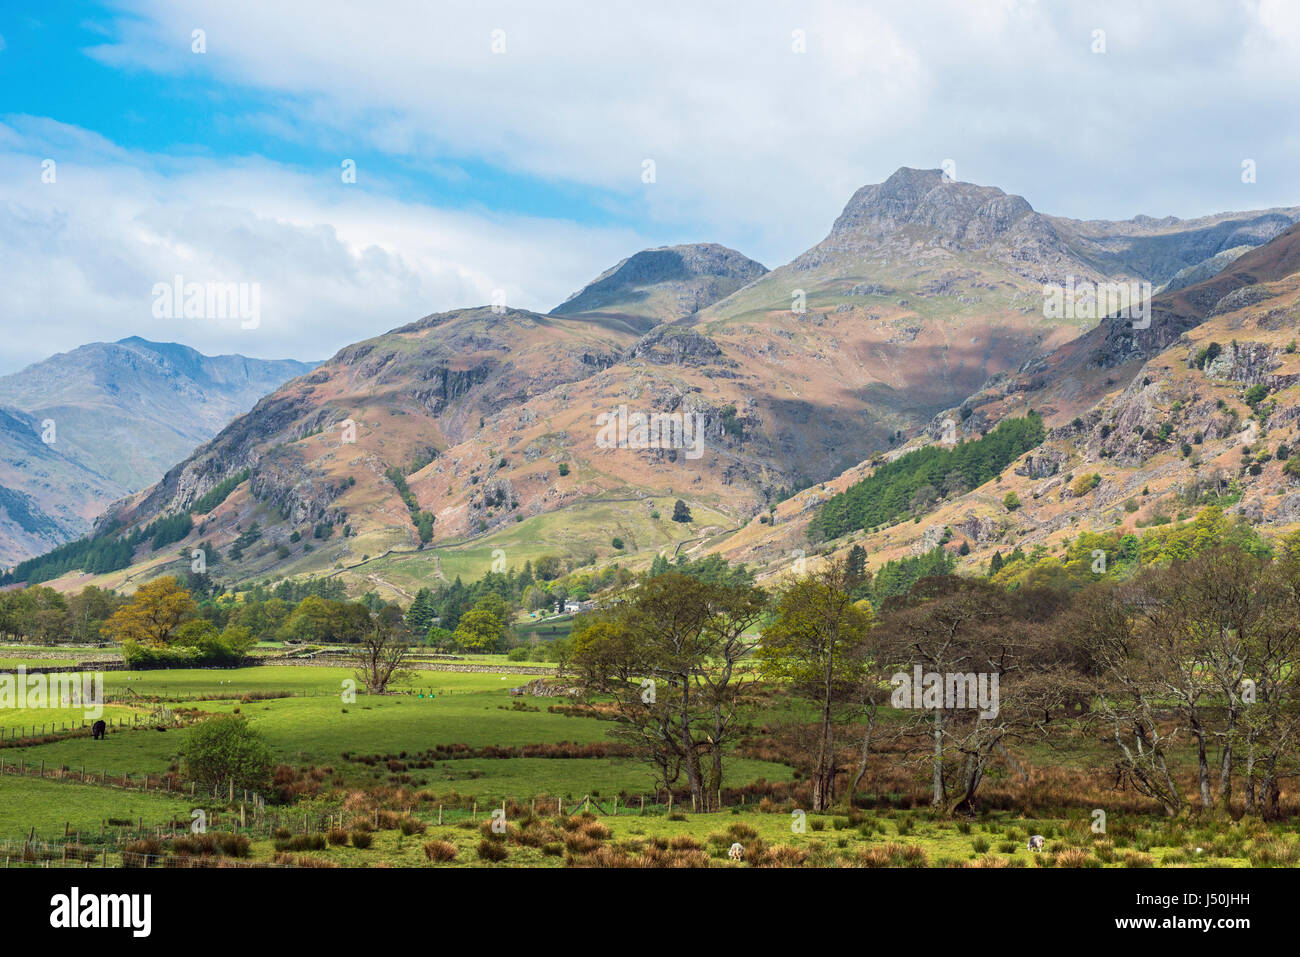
<point x="48" y="806"/>
<point x="312" y="727"/>
<point x="379" y="752"/>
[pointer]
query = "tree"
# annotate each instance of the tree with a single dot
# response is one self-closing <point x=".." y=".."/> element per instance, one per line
<point x="88" y="610"/>
<point x="989" y="671"/>
<point x="681" y="512"/>
<point x="857" y="565"/>
<point x="422" y="612"/>
<point x="923" y="498"/>
<point x="1011" y="501"/>
<point x="1202" y="648"/>
<point x="819" y="643"/>
<point x="154" y="614"/>
<point x="440" y="638"/>
<point x="43" y="615"/>
<point x="667" y="655"/>
<point x="379" y="652"/>
<point x="226" y="749"/>
<point x="1129" y="691"/>
<point x="484" y="627"/>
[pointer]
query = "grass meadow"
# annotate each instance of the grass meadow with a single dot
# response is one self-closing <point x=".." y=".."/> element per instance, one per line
<point x="383" y="770"/>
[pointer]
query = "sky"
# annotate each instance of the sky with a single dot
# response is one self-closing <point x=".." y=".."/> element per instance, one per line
<point x="354" y="167"/>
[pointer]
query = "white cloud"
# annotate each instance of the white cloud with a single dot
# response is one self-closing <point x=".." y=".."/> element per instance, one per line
<point x="335" y="263"/>
<point x="758" y="146"/>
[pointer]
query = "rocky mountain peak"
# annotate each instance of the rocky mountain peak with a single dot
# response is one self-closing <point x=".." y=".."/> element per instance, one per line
<point x="958" y="212"/>
<point x="683" y="278"/>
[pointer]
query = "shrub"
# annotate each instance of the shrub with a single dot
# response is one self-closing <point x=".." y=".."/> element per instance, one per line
<point x="234" y="845"/>
<point x="140" y="853"/>
<point x="362" y="839"/>
<point x="409" y="826"/>
<point x="440" y="851"/>
<point x="224" y="749"/>
<point x="493" y="851"/>
<point x="301" y="842"/>
<point x="1084" y="484"/>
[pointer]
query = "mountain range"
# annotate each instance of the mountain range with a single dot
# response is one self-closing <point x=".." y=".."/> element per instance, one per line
<point x="467" y="439"/>
<point x="87" y="427"/>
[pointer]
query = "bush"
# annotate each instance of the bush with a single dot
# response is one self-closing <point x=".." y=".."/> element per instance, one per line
<point x="224" y="749"/>
<point x="1084" y="484"/>
<point x="440" y="851"/>
<point x="410" y="826"/>
<point x="362" y="839"/>
<point x="492" y="851"/>
<point x="301" y="842"/>
<point x="336" y="836"/>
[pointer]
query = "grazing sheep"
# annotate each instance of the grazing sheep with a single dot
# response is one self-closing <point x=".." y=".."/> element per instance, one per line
<point x="737" y="852"/>
<point x="99" y="729"/>
<point x="1036" y="842"/>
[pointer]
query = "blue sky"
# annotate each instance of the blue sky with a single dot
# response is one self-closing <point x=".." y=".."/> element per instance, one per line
<point x="52" y="64"/>
<point x="500" y="145"/>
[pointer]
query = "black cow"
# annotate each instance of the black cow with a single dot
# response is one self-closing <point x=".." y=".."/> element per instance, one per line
<point x="99" y="729"/>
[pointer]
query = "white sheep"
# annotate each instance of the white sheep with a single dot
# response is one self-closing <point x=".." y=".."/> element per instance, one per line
<point x="1036" y="842"/>
<point x="737" y="852"/>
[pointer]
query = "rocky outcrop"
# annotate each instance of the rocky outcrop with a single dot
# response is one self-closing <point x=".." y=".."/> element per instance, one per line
<point x="1246" y="362"/>
<point x="979" y="529"/>
<point x="1041" y="463"/>
<point x="673" y="345"/>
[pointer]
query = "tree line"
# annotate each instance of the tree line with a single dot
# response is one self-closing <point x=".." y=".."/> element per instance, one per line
<point x="913" y="481"/>
<point x="1183" y="670"/>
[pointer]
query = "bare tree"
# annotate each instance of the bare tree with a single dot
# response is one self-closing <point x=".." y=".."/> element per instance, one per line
<point x="379" y="651"/>
<point x="990" y="671"/>
<point x="1129" y="689"/>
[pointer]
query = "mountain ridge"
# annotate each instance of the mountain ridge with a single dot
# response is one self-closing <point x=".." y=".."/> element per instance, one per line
<point x="923" y="294"/>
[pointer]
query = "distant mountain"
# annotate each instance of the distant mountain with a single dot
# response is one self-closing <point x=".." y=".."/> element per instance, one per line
<point x="662" y="285"/>
<point x="86" y="427"/>
<point x="468" y="439"/>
